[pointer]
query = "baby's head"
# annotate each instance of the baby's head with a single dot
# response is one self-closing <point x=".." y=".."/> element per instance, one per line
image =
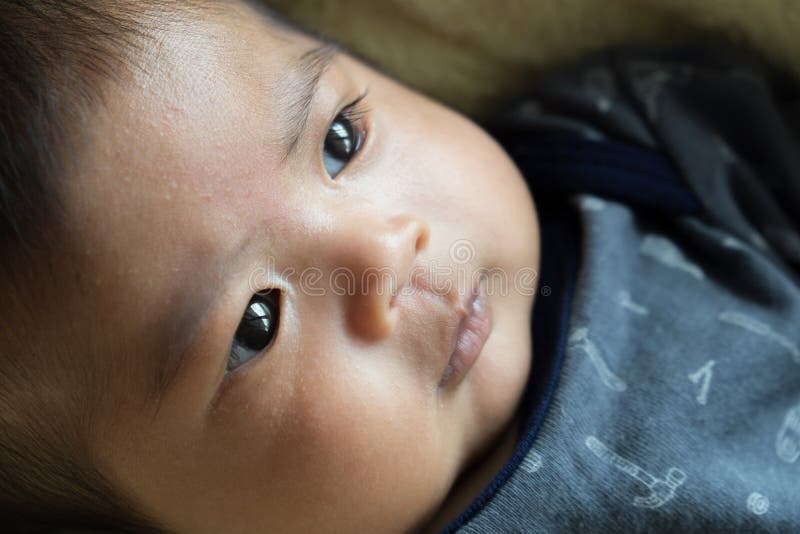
<point x="236" y="263"/>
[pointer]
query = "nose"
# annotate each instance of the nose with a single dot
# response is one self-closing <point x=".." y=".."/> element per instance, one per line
<point x="376" y="257"/>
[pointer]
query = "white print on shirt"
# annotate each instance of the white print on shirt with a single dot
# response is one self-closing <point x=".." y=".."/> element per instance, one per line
<point x="598" y="80"/>
<point x="661" y="490"/>
<point x="598" y="83"/>
<point x="532" y="462"/>
<point x="732" y="242"/>
<point x="787" y="442"/>
<point x="757" y="327"/>
<point x="624" y="300"/>
<point x="579" y="340"/>
<point x="662" y="249"/>
<point x="704" y="373"/>
<point x="725" y="151"/>
<point x="591" y="203"/>
<point x="757" y="503"/>
<point x="647" y="79"/>
<point x="603" y="104"/>
<point x="758" y="241"/>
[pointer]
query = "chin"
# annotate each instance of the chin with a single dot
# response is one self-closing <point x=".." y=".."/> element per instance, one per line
<point x="499" y="380"/>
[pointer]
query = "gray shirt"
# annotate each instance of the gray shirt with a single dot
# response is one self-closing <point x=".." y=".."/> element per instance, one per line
<point x="665" y="390"/>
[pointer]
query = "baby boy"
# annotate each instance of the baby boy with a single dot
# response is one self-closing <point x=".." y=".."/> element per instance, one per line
<point x="217" y="180"/>
<point x="287" y="294"/>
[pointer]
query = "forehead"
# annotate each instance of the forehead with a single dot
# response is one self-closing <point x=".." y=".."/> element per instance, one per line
<point x="162" y="152"/>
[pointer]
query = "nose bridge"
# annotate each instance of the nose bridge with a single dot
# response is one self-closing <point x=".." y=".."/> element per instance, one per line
<point x="373" y="260"/>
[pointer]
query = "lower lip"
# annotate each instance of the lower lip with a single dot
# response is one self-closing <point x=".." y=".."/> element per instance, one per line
<point x="473" y="332"/>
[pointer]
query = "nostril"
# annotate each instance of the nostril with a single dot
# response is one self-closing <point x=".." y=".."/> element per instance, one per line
<point x="423" y="235"/>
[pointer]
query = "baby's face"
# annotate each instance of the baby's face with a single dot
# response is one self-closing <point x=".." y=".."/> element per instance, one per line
<point x="335" y="412"/>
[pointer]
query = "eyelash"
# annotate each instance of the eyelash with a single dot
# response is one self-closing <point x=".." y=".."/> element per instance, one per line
<point x="356" y="109"/>
<point x="354" y="114"/>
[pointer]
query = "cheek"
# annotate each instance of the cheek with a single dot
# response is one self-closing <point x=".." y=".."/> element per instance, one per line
<point x="354" y="412"/>
<point x="471" y="189"/>
<point x="353" y="432"/>
<point x="450" y="161"/>
<point x="473" y="163"/>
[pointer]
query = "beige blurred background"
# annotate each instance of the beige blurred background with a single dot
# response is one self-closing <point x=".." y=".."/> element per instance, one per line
<point x="474" y="54"/>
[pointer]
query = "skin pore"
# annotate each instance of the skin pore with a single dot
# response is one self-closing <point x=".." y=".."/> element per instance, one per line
<point x="188" y="202"/>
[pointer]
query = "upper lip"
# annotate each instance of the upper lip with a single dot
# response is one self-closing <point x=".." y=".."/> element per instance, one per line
<point x="457" y="305"/>
<point x="452" y="297"/>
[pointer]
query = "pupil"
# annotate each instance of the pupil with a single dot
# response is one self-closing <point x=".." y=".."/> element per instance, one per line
<point x="339" y="140"/>
<point x="255" y="330"/>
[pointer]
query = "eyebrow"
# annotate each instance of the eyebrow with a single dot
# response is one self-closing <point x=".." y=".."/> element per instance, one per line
<point x="302" y="85"/>
<point x="310" y="68"/>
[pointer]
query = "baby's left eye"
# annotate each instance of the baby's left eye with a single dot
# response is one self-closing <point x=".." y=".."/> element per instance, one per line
<point x="341" y="143"/>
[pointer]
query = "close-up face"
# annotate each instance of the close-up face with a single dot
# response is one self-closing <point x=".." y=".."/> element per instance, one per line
<point x="301" y="239"/>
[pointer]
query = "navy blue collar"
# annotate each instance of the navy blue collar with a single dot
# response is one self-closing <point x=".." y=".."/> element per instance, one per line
<point x="559" y="259"/>
<point x="556" y="166"/>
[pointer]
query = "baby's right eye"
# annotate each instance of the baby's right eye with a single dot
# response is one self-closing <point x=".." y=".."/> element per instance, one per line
<point x="257" y="329"/>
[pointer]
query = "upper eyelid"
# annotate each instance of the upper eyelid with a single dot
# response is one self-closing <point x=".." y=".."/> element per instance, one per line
<point x="356" y="112"/>
<point x="356" y="106"/>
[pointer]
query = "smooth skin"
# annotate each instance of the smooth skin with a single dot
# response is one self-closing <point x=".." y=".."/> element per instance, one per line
<point x="341" y="425"/>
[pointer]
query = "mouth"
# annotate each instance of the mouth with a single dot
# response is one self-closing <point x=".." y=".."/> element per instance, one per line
<point x="471" y="335"/>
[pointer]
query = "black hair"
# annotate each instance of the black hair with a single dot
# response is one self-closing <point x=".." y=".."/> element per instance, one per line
<point x="57" y="59"/>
